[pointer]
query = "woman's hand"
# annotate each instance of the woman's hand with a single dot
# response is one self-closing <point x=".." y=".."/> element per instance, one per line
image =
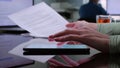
<point x="85" y="35"/>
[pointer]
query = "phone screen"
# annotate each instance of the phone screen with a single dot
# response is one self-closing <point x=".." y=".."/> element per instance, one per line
<point x="67" y="46"/>
<point x="38" y="45"/>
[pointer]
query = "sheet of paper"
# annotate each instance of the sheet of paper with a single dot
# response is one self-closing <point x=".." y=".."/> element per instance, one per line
<point x="40" y="20"/>
<point x="42" y="58"/>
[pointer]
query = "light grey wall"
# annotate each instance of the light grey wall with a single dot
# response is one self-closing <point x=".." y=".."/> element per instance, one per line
<point x="76" y="3"/>
<point x="37" y="1"/>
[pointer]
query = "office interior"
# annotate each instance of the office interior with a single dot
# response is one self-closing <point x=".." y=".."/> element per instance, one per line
<point x="69" y="9"/>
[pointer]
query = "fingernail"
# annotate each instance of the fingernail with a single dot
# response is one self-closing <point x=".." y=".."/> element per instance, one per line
<point x="70" y="43"/>
<point x="51" y="36"/>
<point x="51" y="39"/>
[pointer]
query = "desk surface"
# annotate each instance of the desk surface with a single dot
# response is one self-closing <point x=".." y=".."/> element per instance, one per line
<point x="8" y="42"/>
<point x="95" y="60"/>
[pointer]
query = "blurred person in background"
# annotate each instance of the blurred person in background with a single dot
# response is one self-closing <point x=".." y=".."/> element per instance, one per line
<point x="89" y="11"/>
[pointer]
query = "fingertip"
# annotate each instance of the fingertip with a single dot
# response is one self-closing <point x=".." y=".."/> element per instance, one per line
<point x="51" y="39"/>
<point x="60" y="43"/>
<point x="70" y="42"/>
<point x="51" y="36"/>
<point x="57" y="39"/>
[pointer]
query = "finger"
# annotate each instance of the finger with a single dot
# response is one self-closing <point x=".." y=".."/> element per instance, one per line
<point x="77" y="43"/>
<point x="69" y="61"/>
<point x="73" y="42"/>
<point x="84" y="60"/>
<point x="71" y="37"/>
<point x="50" y="39"/>
<point x="70" y="25"/>
<point x="66" y="32"/>
<point x="60" y="43"/>
<point x="56" y="63"/>
<point x="52" y="65"/>
<point x="70" y="42"/>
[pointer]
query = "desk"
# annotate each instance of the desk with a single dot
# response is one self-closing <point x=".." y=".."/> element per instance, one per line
<point x="8" y="42"/>
<point x="96" y="59"/>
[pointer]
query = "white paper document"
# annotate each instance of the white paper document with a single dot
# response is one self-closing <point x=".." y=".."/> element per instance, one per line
<point x="40" y="58"/>
<point x="40" y="20"/>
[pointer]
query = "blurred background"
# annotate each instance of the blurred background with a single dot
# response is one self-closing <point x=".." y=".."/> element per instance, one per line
<point x="70" y="8"/>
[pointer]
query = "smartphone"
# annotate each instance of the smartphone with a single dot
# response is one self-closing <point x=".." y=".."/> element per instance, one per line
<point x="52" y="49"/>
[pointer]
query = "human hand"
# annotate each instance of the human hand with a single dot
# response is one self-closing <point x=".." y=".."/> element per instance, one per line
<point x="86" y="36"/>
<point x="57" y="64"/>
<point x="79" y="24"/>
<point x="100" y="59"/>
